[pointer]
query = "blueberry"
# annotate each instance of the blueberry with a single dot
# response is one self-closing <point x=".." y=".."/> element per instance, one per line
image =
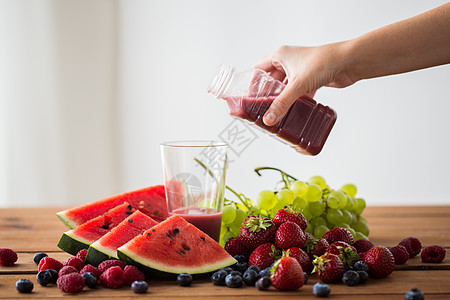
<point x="264" y="273"/>
<point x="250" y="277"/>
<point x="321" y="289"/>
<point x="44" y="277"/>
<point x="414" y="294"/>
<point x="254" y="268"/>
<point x="184" y="279"/>
<point x="38" y="256"/>
<point x="236" y="273"/>
<point x="241" y="258"/>
<point x="350" y="278"/>
<point x="361" y="266"/>
<point x="228" y="270"/>
<point x="241" y="266"/>
<point x="54" y="274"/>
<point x="139" y="287"/>
<point x="233" y="281"/>
<point x="306" y="277"/>
<point x="24" y="286"/>
<point x="263" y="283"/>
<point x="218" y="278"/>
<point x="363" y="277"/>
<point x="349" y="268"/>
<point x="90" y="280"/>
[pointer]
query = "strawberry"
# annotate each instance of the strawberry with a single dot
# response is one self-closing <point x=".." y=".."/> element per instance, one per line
<point x="338" y="234"/>
<point x="329" y="267"/>
<point x="363" y="245"/>
<point x="316" y="247"/>
<point x="380" y="260"/>
<point x="264" y="255"/>
<point x="400" y="254"/>
<point x="256" y="231"/>
<point x="288" y="235"/>
<point x="302" y="258"/>
<point x="346" y="253"/>
<point x="287" y="274"/>
<point x="412" y="245"/>
<point x="234" y="247"/>
<point x="291" y="215"/>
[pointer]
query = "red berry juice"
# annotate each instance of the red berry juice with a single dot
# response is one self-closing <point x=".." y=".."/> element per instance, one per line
<point x="207" y="220"/>
<point x="306" y="125"/>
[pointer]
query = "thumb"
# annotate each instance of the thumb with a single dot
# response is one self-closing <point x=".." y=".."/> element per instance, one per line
<point x="282" y="103"/>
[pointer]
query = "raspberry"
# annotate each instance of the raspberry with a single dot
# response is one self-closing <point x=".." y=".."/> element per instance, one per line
<point x="49" y="263"/>
<point x="74" y="262"/>
<point x="112" y="278"/>
<point x="234" y="247"/>
<point x="363" y="245"/>
<point x="433" y="254"/>
<point x="70" y="283"/>
<point x="90" y="268"/>
<point x="111" y="263"/>
<point x="67" y="270"/>
<point x="400" y="254"/>
<point x="7" y="257"/>
<point x="131" y="273"/>
<point x="82" y="254"/>
<point x="412" y="245"/>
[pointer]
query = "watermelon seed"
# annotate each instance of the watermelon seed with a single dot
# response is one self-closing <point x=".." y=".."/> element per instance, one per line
<point x="181" y="252"/>
<point x="128" y="212"/>
<point x="153" y="230"/>
<point x="169" y="235"/>
<point x="156" y="212"/>
<point x="106" y="226"/>
<point x="130" y="221"/>
<point x="203" y="239"/>
<point x="176" y="231"/>
<point x="186" y="247"/>
<point x="129" y="207"/>
<point x="149" y="234"/>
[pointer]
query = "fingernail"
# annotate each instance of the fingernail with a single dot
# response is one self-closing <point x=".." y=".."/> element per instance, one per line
<point x="270" y="118"/>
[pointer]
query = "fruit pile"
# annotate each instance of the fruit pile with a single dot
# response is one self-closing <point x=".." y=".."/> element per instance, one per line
<point x="324" y="208"/>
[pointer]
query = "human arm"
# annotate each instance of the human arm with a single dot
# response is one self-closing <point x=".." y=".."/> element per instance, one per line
<point x="419" y="42"/>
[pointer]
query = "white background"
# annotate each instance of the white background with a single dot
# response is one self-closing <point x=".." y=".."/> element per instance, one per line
<point x="89" y="89"/>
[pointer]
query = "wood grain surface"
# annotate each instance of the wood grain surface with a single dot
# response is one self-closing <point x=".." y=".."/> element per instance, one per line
<point x="32" y="230"/>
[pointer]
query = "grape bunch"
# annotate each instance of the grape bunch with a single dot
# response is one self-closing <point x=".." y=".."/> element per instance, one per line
<point x="323" y="207"/>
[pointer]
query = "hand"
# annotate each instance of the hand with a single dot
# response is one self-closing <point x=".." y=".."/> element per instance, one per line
<point x="304" y="69"/>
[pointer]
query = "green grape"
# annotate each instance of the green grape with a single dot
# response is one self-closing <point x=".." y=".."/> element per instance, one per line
<point x="314" y="193"/>
<point x="228" y="214"/>
<point x="350" y="205"/>
<point x="342" y="225"/>
<point x="332" y="202"/>
<point x="266" y="200"/>
<point x="360" y="236"/>
<point x="240" y="217"/>
<point x="235" y="230"/>
<point x="334" y="216"/>
<point x="361" y="227"/>
<point x="319" y="181"/>
<point x="299" y="188"/>
<point x="317" y="221"/>
<point x="285" y="195"/>
<point x="299" y="203"/>
<point x="360" y="205"/>
<point x="352" y="231"/>
<point x="310" y="229"/>
<point x="348" y="217"/>
<point x="320" y="230"/>
<point x="336" y="199"/>
<point x="362" y="219"/>
<point x="349" y="189"/>
<point x="307" y="214"/>
<point x="316" y="208"/>
<point x="278" y="206"/>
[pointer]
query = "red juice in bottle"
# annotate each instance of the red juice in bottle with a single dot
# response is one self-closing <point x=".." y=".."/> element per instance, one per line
<point x="207" y="220"/>
<point x="249" y="94"/>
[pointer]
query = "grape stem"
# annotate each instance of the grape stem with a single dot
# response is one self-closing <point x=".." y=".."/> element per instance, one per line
<point x="284" y="176"/>
<point x="239" y="196"/>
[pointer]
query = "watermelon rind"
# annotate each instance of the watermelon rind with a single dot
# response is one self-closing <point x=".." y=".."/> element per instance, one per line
<point x="72" y="244"/>
<point x="163" y="270"/>
<point x="69" y="223"/>
<point x="95" y="256"/>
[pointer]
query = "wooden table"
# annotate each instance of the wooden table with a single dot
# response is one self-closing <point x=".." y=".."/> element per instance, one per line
<point x="33" y="230"/>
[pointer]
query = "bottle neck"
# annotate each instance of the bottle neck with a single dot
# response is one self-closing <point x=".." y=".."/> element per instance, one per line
<point x="221" y="81"/>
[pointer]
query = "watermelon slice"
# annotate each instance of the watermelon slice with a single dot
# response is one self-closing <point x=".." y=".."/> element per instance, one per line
<point x="84" y="235"/>
<point x="172" y="247"/>
<point x="151" y="201"/>
<point x="106" y="247"/>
